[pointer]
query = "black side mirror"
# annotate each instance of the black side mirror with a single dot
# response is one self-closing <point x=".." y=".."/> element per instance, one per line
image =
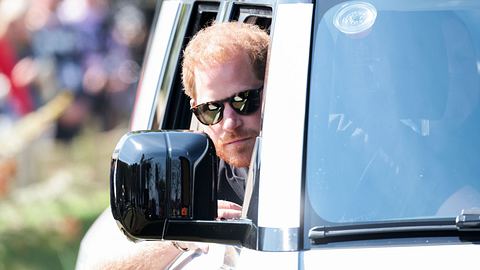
<point x="159" y="177"/>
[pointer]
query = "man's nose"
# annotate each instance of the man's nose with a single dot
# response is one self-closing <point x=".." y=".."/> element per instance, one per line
<point x="231" y="120"/>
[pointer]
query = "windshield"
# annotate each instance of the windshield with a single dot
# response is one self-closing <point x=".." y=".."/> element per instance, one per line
<point x="394" y="113"/>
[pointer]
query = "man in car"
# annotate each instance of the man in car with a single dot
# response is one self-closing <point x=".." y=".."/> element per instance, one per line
<point x="223" y="74"/>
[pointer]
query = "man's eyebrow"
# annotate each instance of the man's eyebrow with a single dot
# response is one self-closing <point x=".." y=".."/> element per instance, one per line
<point x="236" y="93"/>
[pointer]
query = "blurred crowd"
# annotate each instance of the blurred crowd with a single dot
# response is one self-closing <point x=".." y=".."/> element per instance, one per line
<point x="90" y="48"/>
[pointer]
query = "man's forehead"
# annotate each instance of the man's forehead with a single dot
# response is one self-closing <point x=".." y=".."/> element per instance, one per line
<point x="222" y="80"/>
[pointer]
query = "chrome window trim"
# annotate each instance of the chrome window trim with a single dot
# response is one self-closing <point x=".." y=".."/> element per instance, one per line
<point x="278" y="239"/>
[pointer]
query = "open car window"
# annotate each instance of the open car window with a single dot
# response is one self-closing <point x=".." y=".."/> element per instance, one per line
<point x="174" y="111"/>
<point x="258" y="15"/>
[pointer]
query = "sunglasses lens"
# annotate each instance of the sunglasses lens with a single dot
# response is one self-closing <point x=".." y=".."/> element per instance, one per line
<point x="243" y="103"/>
<point x="209" y="113"/>
<point x="246" y="102"/>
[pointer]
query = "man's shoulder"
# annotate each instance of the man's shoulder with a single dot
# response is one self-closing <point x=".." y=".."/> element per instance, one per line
<point x="231" y="182"/>
<point x="228" y="171"/>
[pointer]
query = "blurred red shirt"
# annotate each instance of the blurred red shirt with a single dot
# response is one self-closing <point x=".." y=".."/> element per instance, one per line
<point x="20" y="97"/>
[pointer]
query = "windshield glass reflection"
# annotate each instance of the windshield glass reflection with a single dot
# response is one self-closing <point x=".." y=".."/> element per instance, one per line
<point x="394" y="115"/>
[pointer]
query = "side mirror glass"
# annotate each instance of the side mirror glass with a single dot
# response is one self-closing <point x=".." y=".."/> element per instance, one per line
<point x="162" y="176"/>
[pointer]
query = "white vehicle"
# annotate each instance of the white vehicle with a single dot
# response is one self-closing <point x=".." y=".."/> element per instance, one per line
<point x="368" y="156"/>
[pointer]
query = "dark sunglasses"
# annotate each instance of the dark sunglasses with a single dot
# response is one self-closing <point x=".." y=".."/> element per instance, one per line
<point x="243" y="103"/>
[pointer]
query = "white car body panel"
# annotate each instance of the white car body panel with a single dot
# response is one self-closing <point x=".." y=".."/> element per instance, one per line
<point x="400" y="257"/>
<point x="289" y="58"/>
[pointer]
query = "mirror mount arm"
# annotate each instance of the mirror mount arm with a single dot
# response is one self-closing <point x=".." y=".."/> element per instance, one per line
<point x="235" y="232"/>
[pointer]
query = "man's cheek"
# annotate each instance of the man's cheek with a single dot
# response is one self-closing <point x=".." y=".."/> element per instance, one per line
<point x="210" y="133"/>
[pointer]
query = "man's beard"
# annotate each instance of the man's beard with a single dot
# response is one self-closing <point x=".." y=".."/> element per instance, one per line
<point x="238" y="156"/>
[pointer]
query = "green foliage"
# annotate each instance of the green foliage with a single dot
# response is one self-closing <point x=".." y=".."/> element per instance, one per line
<point x="42" y="222"/>
<point x="41" y="248"/>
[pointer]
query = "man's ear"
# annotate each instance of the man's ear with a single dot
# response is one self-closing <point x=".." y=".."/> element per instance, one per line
<point x="192" y="102"/>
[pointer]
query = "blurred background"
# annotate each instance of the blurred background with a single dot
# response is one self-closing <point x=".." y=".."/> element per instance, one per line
<point x="68" y="75"/>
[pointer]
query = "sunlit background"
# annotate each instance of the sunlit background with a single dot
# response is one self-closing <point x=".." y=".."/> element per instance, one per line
<point x="68" y="74"/>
